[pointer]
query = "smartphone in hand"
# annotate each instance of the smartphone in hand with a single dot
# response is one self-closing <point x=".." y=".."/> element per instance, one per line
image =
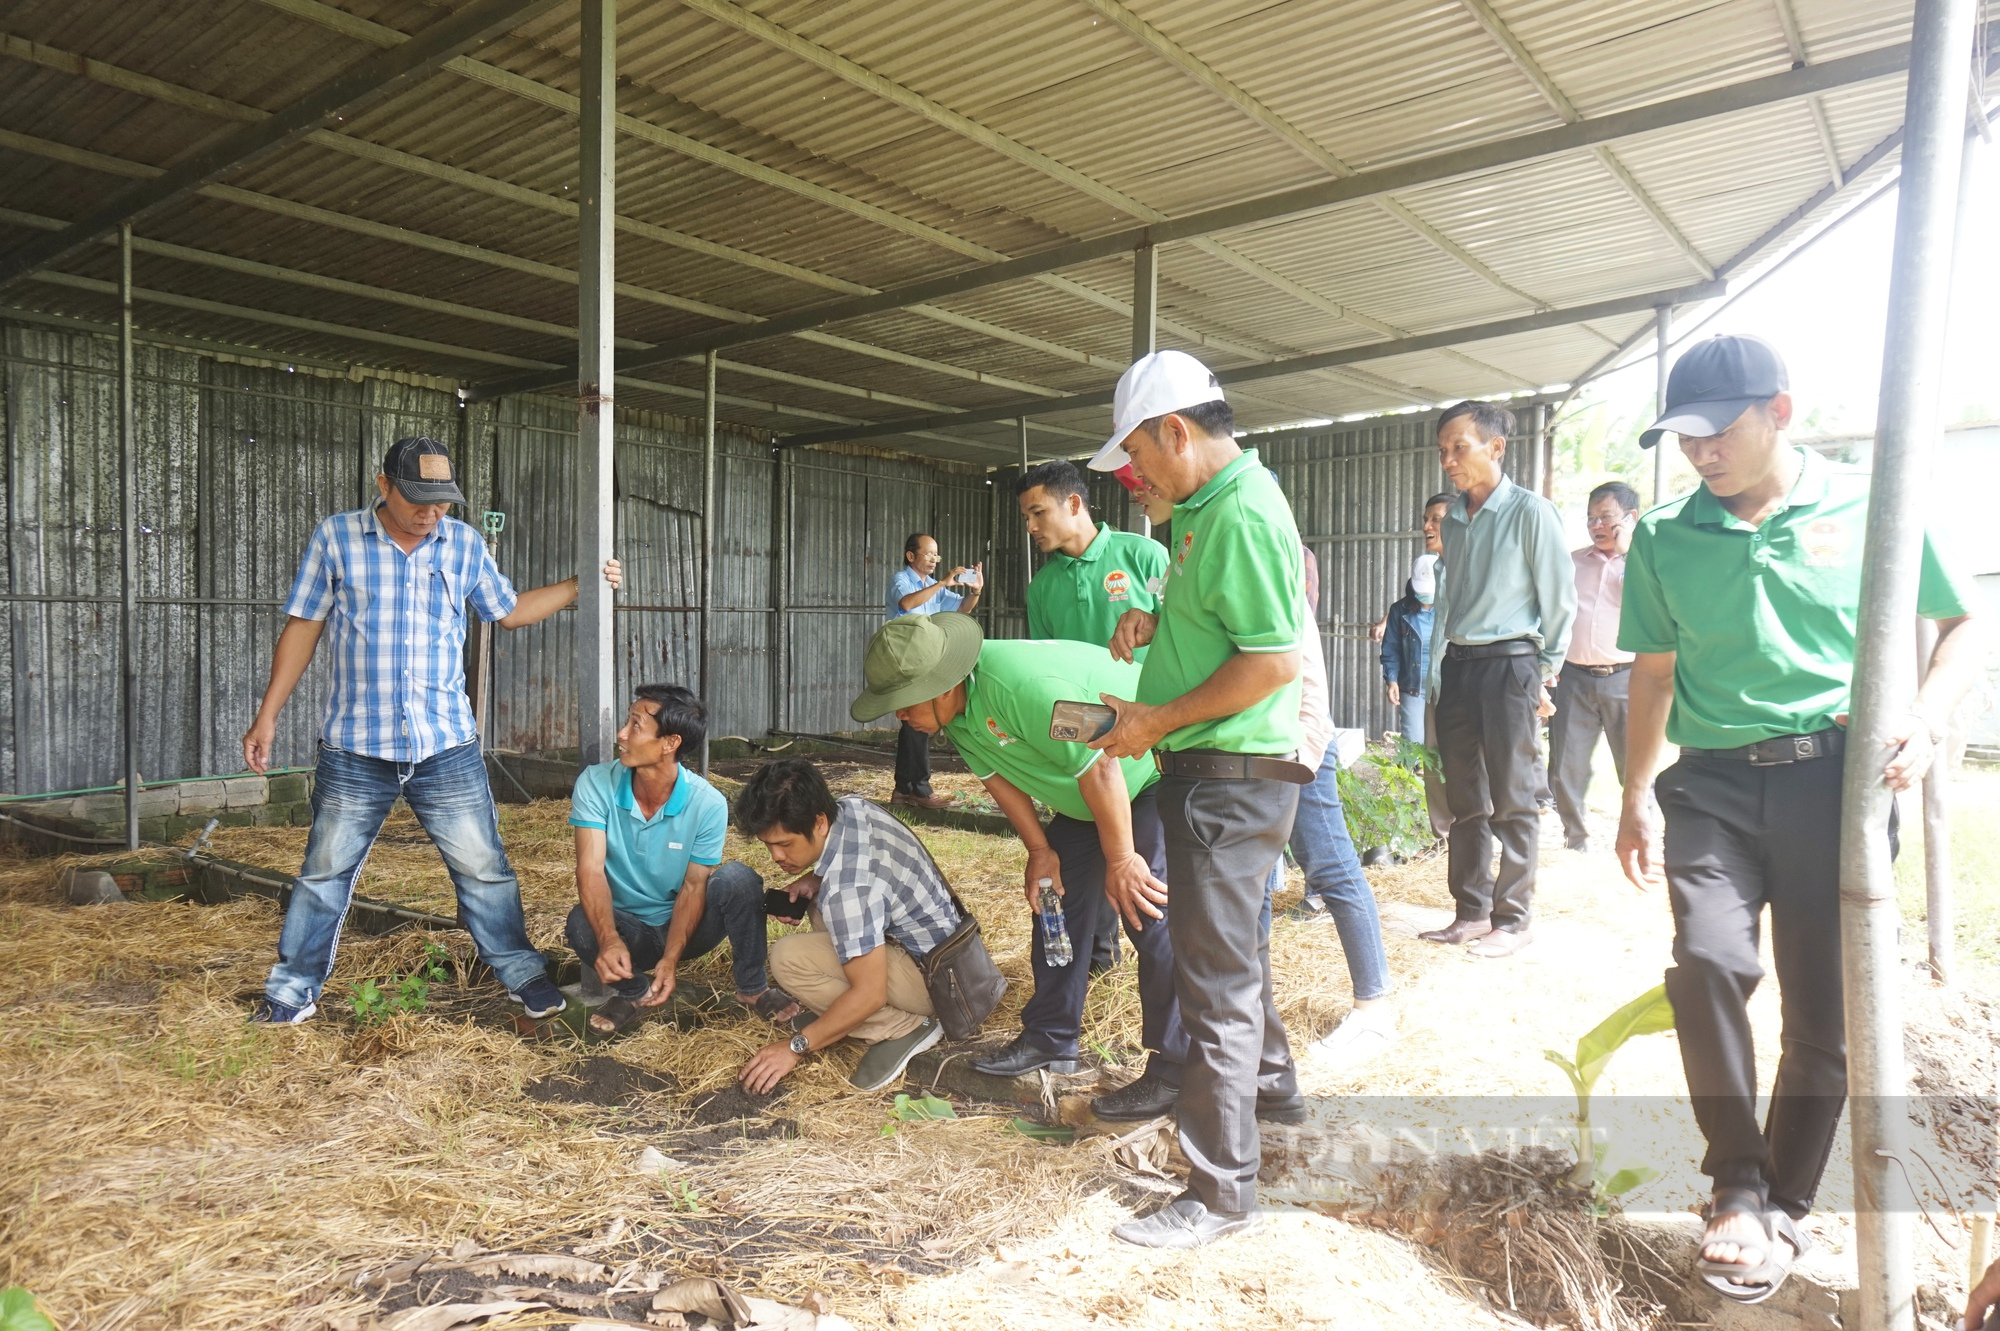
<point x="1081" y="722"/>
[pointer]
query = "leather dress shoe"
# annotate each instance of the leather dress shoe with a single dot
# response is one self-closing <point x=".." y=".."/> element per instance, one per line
<point x="1458" y="931"/>
<point x="922" y="801"/>
<point x="1148" y="1097"/>
<point x="1021" y="1057"/>
<point x="1281" y="1109"/>
<point x="1502" y="943"/>
<point x="1185" y="1223"/>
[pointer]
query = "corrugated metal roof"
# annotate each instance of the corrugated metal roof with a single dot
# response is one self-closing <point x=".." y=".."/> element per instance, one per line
<point x="779" y="153"/>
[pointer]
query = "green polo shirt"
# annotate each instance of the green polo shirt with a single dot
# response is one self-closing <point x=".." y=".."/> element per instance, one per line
<point x="1762" y="619"/>
<point x="1080" y="597"/>
<point x="1009" y="698"/>
<point x="1234" y="577"/>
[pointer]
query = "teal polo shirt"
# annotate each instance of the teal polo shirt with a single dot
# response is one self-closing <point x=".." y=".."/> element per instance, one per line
<point x="646" y="859"/>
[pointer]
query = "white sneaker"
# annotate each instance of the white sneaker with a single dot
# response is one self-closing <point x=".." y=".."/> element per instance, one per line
<point x="1365" y="1033"/>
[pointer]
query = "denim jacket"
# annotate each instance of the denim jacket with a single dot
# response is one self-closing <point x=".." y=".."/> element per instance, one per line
<point x="1406" y="646"/>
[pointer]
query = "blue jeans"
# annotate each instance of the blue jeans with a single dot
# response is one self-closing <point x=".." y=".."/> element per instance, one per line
<point x="732" y="908"/>
<point x="1325" y="854"/>
<point x="1410" y="712"/>
<point x="351" y="796"/>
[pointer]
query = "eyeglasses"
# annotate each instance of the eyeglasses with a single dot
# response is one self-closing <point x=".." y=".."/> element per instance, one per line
<point x="1607" y="522"/>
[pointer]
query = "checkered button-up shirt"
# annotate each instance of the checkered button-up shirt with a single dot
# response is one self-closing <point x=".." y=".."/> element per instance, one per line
<point x="396" y="631"/>
<point x="877" y="882"/>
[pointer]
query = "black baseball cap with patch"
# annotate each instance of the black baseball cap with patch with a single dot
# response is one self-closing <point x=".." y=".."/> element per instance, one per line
<point x="1714" y="383"/>
<point x="420" y="469"/>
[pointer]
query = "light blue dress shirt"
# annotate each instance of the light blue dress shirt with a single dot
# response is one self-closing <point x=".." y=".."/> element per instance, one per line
<point x="907" y="580"/>
<point x="1508" y="574"/>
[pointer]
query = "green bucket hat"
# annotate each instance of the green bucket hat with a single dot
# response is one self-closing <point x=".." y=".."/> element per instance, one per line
<point x="914" y="658"/>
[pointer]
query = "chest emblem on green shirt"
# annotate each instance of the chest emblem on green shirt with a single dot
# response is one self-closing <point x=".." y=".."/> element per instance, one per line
<point x="1825" y="542"/>
<point x="1000" y="736"/>
<point x="1187" y="544"/>
<point x="1117" y="585"/>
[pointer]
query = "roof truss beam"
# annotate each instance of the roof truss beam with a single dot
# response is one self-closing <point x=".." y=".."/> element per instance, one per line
<point x="379" y="76"/>
<point x="1326" y="360"/>
<point x="1492" y="156"/>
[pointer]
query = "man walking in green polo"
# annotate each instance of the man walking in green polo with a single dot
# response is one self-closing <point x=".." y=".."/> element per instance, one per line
<point x="995" y="700"/>
<point x="1093" y="573"/>
<point x="1741" y="602"/>
<point x="1218" y="701"/>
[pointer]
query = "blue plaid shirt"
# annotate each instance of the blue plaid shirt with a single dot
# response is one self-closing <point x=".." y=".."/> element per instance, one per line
<point x="397" y="632"/>
<point x="878" y="883"/>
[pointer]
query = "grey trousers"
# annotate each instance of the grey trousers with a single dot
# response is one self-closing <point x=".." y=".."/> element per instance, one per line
<point x="1489" y="740"/>
<point x="1222" y="839"/>
<point x="1587" y="706"/>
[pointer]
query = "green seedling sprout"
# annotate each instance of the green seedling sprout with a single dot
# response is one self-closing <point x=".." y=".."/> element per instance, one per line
<point x="1648" y="1014"/>
<point x="922" y="1109"/>
<point x="19" y="1313"/>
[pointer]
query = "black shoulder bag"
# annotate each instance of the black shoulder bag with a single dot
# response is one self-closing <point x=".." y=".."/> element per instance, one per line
<point x="965" y="986"/>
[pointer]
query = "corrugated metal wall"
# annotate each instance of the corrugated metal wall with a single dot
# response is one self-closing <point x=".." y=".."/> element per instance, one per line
<point x="237" y="463"/>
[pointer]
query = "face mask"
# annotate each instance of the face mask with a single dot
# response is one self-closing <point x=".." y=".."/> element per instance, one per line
<point x="1424" y="598"/>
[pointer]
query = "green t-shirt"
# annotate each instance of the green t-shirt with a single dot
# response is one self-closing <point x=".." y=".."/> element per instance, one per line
<point x="1235" y="580"/>
<point x="1009" y="697"/>
<point x="1762" y="619"/>
<point x="1080" y="597"/>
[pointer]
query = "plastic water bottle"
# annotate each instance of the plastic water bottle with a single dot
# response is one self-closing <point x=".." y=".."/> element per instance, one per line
<point x="1055" y="933"/>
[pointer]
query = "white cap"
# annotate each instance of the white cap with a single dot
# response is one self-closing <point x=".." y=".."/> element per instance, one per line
<point x="1423" y="575"/>
<point x="1154" y="385"/>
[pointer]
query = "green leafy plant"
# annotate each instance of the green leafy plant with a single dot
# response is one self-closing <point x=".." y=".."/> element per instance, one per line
<point x="19" y="1313"/>
<point x="1383" y="798"/>
<point x="1042" y="1132"/>
<point x="1648" y="1014"/>
<point x="921" y="1109"/>
<point x="373" y="1004"/>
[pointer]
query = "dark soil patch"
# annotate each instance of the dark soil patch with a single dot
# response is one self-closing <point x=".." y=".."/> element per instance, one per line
<point x="598" y="1080"/>
<point x="731" y="1104"/>
<point x="120" y="993"/>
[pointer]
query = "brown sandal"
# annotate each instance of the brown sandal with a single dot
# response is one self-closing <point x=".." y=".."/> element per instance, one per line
<point x="619" y="1011"/>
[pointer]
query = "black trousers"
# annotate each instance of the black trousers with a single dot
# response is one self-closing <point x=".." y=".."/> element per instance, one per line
<point x="913" y="760"/>
<point x="1222" y="839"/>
<point x="1053" y="1018"/>
<point x="1740" y="838"/>
<point x="1489" y="741"/>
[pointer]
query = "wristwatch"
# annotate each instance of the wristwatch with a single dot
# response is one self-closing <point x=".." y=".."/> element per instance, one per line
<point x="800" y="1045"/>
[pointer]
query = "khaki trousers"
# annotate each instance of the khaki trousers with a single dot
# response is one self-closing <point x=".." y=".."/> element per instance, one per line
<point x="806" y="967"/>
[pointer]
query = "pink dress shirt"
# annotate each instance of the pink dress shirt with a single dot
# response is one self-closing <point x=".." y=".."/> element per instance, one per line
<point x="1600" y="596"/>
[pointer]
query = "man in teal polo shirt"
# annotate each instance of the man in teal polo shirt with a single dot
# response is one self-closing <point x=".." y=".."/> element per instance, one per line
<point x="995" y="700"/>
<point x="651" y="885"/>
<point x="1218" y="701"/>
<point x="1741" y="602"/>
<point x="1093" y="573"/>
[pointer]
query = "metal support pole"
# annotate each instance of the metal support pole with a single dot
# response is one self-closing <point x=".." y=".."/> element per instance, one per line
<point x="596" y="657"/>
<point x="1145" y="299"/>
<point x="707" y="543"/>
<point x="1940" y="926"/>
<point x="1535" y="474"/>
<point x="1027" y="546"/>
<point x="128" y="544"/>
<point x="992" y="539"/>
<point x="1884" y="680"/>
<point x="781" y="596"/>
<point x="1662" y="331"/>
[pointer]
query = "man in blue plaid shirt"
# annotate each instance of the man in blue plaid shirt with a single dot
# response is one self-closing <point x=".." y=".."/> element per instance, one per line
<point x="393" y="581"/>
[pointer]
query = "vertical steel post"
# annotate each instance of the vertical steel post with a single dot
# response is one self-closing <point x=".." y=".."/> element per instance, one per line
<point x="1662" y="328"/>
<point x="1884" y="680"/>
<point x="781" y="597"/>
<point x="1543" y="417"/>
<point x="707" y="543"/>
<point x="128" y="543"/>
<point x="992" y="539"/>
<point x="1940" y="924"/>
<point x="1145" y="299"/>
<point x="596" y="658"/>
<point x="1027" y="546"/>
<point x="1531" y="475"/>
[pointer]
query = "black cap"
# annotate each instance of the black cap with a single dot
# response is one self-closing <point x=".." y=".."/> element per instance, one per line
<point x="420" y="469"/>
<point x="1714" y="383"/>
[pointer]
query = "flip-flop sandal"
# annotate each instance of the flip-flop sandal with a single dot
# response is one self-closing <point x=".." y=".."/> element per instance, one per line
<point x="618" y="1010"/>
<point x="1783" y="1245"/>
<point x="775" y="1005"/>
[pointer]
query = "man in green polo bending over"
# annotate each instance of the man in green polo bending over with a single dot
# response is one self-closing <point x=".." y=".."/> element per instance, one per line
<point x="995" y="700"/>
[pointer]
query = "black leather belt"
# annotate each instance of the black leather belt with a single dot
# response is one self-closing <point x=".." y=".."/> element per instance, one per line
<point x="1217" y="765"/>
<point x="1600" y="671"/>
<point x="1479" y="651"/>
<point x="1784" y="749"/>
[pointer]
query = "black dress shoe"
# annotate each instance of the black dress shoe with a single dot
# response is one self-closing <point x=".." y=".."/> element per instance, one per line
<point x="1148" y="1097"/>
<point x="1281" y="1109"/>
<point x="1458" y="931"/>
<point x="1020" y="1058"/>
